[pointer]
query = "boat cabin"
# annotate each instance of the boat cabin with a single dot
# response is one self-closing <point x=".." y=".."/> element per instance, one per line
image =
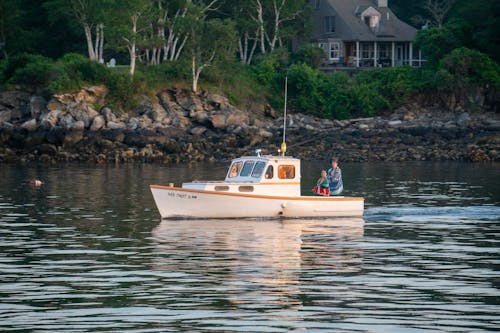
<point x="263" y="175"/>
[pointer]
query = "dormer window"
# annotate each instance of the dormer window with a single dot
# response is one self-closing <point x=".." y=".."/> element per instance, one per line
<point x="371" y="17"/>
<point x="329" y="24"/>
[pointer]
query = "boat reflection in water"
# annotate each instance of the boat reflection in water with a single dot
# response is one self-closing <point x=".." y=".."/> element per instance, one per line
<point x="271" y="261"/>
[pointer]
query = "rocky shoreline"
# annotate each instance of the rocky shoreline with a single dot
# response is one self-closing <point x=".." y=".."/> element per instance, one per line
<point x="178" y="126"/>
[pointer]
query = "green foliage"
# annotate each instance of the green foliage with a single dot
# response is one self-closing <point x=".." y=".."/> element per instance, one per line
<point x="74" y="71"/>
<point x="310" y="55"/>
<point x="436" y="43"/>
<point x="29" y="71"/>
<point x="464" y="66"/>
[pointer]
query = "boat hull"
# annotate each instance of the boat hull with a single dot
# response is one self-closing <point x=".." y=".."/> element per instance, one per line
<point x="175" y="202"/>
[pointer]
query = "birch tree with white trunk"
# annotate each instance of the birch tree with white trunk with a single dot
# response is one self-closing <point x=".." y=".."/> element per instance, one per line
<point x="210" y="41"/>
<point x="90" y="16"/>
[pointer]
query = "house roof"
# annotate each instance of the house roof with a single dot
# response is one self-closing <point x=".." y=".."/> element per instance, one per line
<point x="390" y="28"/>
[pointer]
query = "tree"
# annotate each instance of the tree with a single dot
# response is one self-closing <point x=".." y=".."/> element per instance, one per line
<point x="132" y="18"/>
<point x="90" y="16"/>
<point x="210" y="41"/>
<point x="438" y="9"/>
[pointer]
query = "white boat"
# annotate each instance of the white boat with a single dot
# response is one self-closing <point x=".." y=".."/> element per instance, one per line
<point x="255" y="186"/>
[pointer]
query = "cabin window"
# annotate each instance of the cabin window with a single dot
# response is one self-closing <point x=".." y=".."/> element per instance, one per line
<point x="222" y="188"/>
<point x="286" y="172"/>
<point x="329" y="24"/>
<point x="245" y="188"/>
<point x="258" y="169"/>
<point x="235" y="169"/>
<point x="270" y="172"/>
<point x="247" y="168"/>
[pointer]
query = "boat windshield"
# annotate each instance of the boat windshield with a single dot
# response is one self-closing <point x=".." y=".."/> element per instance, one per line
<point x="258" y="169"/>
<point x="235" y="169"/>
<point x="247" y="168"/>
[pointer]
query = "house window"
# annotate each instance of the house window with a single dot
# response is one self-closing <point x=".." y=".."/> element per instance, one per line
<point x="317" y="4"/>
<point x="329" y="24"/>
<point x="367" y="51"/>
<point x="334" y="51"/>
<point x="383" y="50"/>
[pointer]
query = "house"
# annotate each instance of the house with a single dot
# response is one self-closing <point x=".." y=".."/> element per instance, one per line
<point x="363" y="33"/>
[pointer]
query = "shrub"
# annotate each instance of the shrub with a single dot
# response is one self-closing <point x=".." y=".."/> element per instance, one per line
<point x="468" y="66"/>
<point x="30" y="71"/>
<point x="73" y="71"/>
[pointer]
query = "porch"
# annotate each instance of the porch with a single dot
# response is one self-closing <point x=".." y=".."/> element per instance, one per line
<point x="355" y="54"/>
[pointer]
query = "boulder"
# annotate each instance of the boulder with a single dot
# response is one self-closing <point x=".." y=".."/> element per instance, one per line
<point x="116" y="125"/>
<point x="72" y="137"/>
<point x="394" y="123"/>
<point x="66" y="120"/>
<point x="5" y="116"/>
<point x="237" y="118"/>
<point x="156" y="113"/>
<point x="17" y="102"/>
<point x="37" y="106"/>
<point x="54" y="104"/>
<point x="198" y="130"/>
<point x="29" y="125"/>
<point x="218" y="101"/>
<point x="218" y="120"/>
<point x="133" y="123"/>
<point x="108" y="115"/>
<point x="55" y="135"/>
<point x="50" y="119"/>
<point x="77" y="125"/>
<point x="98" y="123"/>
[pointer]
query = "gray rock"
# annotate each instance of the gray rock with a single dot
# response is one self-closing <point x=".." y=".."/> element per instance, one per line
<point x="237" y="118"/>
<point x="218" y="101"/>
<point x="50" y="119"/>
<point x="198" y="130"/>
<point x="157" y="113"/>
<point x="218" y="120"/>
<point x="265" y="134"/>
<point x="133" y="123"/>
<point x="5" y="116"/>
<point x="77" y="125"/>
<point x="66" y="121"/>
<point x="98" y="123"/>
<point x="29" y="125"/>
<point x="108" y="115"/>
<point x="116" y="125"/>
<point x="363" y="126"/>
<point x="37" y="106"/>
<point x="394" y="123"/>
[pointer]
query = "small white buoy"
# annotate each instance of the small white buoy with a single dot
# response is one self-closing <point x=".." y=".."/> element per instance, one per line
<point x="36" y="182"/>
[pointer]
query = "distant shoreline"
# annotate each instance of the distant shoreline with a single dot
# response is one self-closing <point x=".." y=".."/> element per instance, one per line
<point x="177" y="126"/>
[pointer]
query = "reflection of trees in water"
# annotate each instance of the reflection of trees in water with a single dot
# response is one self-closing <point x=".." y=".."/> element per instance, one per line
<point x="266" y="260"/>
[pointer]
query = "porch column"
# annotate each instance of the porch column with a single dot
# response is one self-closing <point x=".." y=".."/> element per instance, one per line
<point x="411" y="54"/>
<point x="419" y="58"/>
<point x="393" y="54"/>
<point x="375" y="56"/>
<point x="357" y="54"/>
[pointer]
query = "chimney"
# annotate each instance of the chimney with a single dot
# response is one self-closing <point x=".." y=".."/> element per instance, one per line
<point x="382" y="3"/>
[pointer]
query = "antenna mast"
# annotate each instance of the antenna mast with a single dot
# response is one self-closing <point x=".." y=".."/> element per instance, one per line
<point x="283" y="144"/>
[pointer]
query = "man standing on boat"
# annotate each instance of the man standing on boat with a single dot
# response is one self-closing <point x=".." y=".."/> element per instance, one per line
<point x="335" y="178"/>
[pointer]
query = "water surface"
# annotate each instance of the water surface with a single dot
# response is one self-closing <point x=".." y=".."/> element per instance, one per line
<point x="87" y="252"/>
